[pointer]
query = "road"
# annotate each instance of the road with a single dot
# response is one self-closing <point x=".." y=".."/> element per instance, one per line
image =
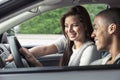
<point x="37" y="39"/>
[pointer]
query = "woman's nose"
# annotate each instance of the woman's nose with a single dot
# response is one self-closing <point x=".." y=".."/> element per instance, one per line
<point x="70" y="29"/>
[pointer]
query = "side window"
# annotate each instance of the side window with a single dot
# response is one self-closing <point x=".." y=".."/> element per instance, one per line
<point x="93" y="9"/>
<point x="46" y="28"/>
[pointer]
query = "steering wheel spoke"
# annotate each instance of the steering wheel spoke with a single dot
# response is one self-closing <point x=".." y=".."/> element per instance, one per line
<point x="14" y="48"/>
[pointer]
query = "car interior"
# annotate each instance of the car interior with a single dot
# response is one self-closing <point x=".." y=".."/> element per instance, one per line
<point x="15" y="12"/>
<point x="8" y="39"/>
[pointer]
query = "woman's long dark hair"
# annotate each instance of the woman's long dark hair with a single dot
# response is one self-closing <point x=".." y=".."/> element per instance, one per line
<point x="84" y="17"/>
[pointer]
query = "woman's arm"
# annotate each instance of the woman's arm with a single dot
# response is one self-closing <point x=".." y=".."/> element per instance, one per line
<point x="37" y="51"/>
<point x="43" y="50"/>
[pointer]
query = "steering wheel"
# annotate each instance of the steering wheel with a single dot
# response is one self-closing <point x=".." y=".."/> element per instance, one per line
<point x="14" y="48"/>
<point x="4" y="53"/>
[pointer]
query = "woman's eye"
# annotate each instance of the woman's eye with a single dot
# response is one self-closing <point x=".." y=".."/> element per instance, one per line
<point x="75" y="25"/>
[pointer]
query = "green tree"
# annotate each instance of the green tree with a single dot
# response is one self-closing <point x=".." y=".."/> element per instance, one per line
<point x="49" y="22"/>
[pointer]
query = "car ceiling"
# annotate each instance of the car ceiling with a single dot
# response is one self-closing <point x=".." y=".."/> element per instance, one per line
<point x="11" y="6"/>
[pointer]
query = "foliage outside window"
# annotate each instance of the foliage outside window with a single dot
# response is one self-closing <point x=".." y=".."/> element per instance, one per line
<point x="49" y="22"/>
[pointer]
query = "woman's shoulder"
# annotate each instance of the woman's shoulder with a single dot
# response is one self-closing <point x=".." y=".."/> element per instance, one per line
<point x="62" y="38"/>
<point x="89" y="43"/>
<point x="89" y="46"/>
<point x="91" y="49"/>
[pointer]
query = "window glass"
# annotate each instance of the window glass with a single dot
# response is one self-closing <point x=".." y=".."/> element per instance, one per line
<point x="48" y="24"/>
<point x="93" y="9"/>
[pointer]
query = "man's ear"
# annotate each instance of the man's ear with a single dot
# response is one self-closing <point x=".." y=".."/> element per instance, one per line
<point x="112" y="28"/>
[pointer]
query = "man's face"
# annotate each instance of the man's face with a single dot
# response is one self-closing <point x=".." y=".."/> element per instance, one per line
<point x="100" y="33"/>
